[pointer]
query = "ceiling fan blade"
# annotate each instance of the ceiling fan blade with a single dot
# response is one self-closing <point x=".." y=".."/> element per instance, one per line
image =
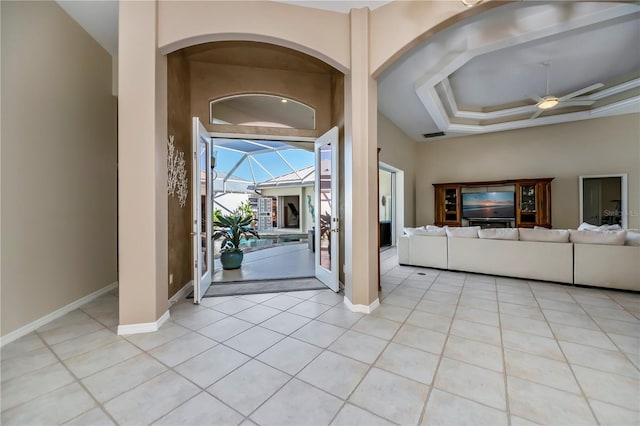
<point x="535" y="98"/>
<point x="581" y="91"/>
<point x="576" y="103"/>
<point x="536" y="114"/>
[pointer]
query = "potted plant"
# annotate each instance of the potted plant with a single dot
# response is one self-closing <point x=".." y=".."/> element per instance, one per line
<point x="232" y="228"/>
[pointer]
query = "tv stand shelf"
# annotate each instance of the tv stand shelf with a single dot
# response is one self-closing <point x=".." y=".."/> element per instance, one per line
<point x="532" y="202"/>
<point x="491" y="223"/>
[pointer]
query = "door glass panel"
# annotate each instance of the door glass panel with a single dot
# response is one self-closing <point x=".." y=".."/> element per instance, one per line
<point x="325" y="206"/>
<point x="204" y="184"/>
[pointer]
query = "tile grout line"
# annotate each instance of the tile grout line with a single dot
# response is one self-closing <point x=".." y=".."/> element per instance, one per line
<point x="322" y="350"/>
<point x="372" y="364"/>
<point x="575" y="377"/>
<point x="247" y="417"/>
<point x="441" y="356"/>
<point x="79" y="382"/>
<point x="204" y="389"/>
<point x="504" y="361"/>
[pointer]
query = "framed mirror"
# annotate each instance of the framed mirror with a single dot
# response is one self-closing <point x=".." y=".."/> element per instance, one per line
<point x="603" y="199"/>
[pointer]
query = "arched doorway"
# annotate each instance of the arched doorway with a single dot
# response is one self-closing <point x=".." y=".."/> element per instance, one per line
<point x="202" y="75"/>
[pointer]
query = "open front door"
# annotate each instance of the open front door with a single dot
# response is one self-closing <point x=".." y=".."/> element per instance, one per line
<point x="201" y="213"/>
<point x="326" y="216"/>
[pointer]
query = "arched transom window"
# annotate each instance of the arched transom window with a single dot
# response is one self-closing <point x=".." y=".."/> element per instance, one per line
<point x="262" y="111"/>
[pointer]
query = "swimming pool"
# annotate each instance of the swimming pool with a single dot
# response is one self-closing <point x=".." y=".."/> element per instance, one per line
<point x="270" y="241"/>
<point x="264" y="242"/>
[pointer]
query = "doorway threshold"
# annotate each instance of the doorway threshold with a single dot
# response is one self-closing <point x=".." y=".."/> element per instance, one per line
<point x="263" y="286"/>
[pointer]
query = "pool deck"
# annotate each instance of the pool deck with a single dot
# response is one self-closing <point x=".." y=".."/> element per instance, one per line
<point x="293" y="260"/>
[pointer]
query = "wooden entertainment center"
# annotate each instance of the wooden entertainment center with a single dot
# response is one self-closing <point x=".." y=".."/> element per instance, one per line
<point x="532" y="201"/>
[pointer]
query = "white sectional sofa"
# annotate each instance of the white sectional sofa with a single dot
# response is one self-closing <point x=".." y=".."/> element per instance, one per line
<point x="607" y="266"/>
<point x="497" y="252"/>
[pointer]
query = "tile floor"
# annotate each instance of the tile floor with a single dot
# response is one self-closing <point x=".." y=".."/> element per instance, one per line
<point x="443" y="348"/>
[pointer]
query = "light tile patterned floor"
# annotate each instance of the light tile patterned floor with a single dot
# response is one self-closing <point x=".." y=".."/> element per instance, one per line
<point x="443" y="348"/>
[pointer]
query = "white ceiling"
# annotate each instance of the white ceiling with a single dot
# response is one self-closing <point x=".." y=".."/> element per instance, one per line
<point x="98" y="17"/>
<point x="478" y="76"/>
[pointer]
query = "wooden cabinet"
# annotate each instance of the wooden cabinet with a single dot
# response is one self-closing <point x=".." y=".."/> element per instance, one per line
<point x="448" y="205"/>
<point x="532" y="200"/>
<point x="533" y="203"/>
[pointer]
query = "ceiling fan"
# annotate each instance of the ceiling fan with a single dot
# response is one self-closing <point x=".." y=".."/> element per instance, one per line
<point x="550" y="102"/>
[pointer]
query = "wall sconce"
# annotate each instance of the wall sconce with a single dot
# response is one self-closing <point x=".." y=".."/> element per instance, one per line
<point x="471" y="3"/>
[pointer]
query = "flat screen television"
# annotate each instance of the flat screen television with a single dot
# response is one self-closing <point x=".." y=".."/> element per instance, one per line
<point x="489" y="205"/>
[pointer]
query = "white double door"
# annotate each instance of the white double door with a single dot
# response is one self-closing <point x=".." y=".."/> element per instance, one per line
<point x="326" y="210"/>
<point x="201" y="210"/>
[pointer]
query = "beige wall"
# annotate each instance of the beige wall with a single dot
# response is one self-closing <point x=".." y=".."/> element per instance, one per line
<point x="179" y="125"/>
<point x="213" y="81"/>
<point x="58" y="163"/>
<point x="399" y="151"/>
<point x="306" y="221"/>
<point x="562" y="151"/>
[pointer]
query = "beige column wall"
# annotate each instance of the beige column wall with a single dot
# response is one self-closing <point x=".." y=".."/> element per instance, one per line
<point x="361" y="169"/>
<point x="58" y="163"/>
<point x="562" y="151"/>
<point x="142" y="166"/>
<point x="319" y="33"/>
<point x="398" y="150"/>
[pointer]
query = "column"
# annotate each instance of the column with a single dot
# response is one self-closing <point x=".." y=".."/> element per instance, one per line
<point x="142" y="171"/>
<point x="361" y="170"/>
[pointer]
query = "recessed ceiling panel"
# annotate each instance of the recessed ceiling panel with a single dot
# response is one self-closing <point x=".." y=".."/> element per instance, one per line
<point x="597" y="54"/>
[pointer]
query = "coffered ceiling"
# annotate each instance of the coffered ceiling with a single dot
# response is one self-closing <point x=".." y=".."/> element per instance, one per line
<point x="482" y="75"/>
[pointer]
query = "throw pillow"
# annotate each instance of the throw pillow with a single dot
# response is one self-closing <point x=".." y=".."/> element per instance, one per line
<point x="613" y="238"/>
<point x="463" y="232"/>
<point x="499" y="234"/>
<point x="411" y="231"/>
<point x="430" y="232"/>
<point x="584" y="226"/>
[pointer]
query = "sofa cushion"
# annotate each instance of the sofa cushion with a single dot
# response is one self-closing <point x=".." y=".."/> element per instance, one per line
<point x="435" y="228"/>
<point x="430" y="232"/>
<point x="612" y="238"/>
<point x="544" y="235"/>
<point x="463" y="232"/>
<point x="499" y="234"/>
<point x="633" y="238"/>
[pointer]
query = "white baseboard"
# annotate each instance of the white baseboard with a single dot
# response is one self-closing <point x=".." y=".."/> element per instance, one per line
<point x="364" y="309"/>
<point x="145" y="327"/>
<point x="181" y="294"/>
<point x="34" y="325"/>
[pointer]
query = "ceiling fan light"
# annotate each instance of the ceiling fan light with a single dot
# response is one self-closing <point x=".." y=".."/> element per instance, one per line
<point x="548" y="102"/>
<point x="471" y="3"/>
